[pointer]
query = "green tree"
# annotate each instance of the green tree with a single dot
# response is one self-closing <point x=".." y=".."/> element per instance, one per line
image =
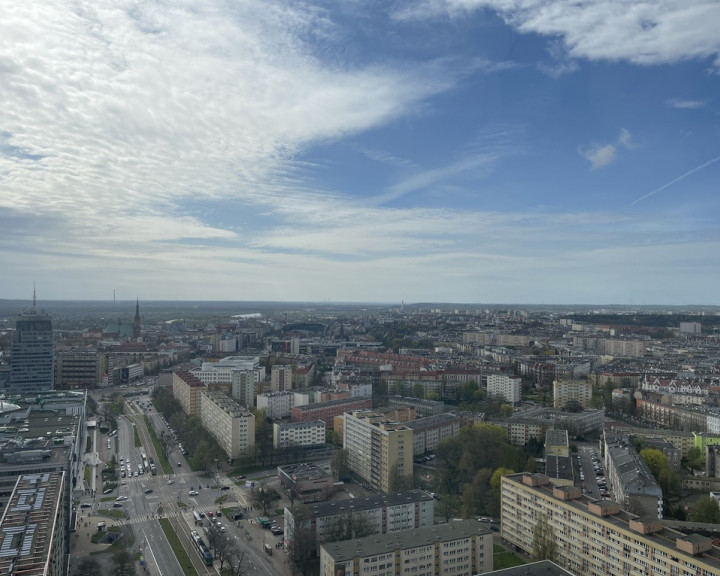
<point x="262" y="497"/>
<point x="89" y="566"/>
<point x="695" y="459"/>
<point x="705" y="509"/>
<point x="655" y="459"/>
<point x="339" y="465"/>
<point x="123" y="564"/>
<point x="506" y="410"/>
<point x="544" y="542"/>
<point x="418" y="390"/>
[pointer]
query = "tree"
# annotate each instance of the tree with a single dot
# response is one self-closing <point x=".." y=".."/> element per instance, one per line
<point x="695" y="458"/>
<point x="301" y="549"/>
<point x="339" y="464"/>
<point x="200" y="459"/>
<point x="655" y="459"/>
<point x="418" y="390"/>
<point x="544" y="543"/>
<point x="506" y="410"/>
<point x="262" y="497"/>
<point x="220" y="544"/>
<point x="705" y="509"/>
<point x="89" y="566"/>
<point x="239" y="562"/>
<point x="123" y="564"/>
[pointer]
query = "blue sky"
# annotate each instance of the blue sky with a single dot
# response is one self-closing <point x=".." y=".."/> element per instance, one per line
<point x="519" y="151"/>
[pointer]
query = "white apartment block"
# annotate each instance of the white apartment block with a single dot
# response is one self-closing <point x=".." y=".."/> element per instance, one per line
<point x="243" y="387"/>
<point x="457" y="548"/>
<point x="612" y="347"/>
<point x="232" y="425"/>
<point x="566" y="390"/>
<point x="428" y="432"/>
<point x="276" y="404"/>
<point x="281" y="378"/>
<point x="379" y="450"/>
<point x="595" y="537"/>
<point x="508" y="387"/>
<point x="387" y="513"/>
<point x="187" y="391"/>
<point x="287" y="434"/>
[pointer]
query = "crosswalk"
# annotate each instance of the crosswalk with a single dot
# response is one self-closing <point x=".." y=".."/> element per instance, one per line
<point x="174" y="513"/>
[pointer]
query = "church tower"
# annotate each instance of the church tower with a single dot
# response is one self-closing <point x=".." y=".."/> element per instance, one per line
<point x="136" y="322"/>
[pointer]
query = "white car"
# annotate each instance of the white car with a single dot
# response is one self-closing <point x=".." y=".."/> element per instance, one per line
<point x="192" y="493"/>
<point x="170" y="482"/>
<point x="121" y="498"/>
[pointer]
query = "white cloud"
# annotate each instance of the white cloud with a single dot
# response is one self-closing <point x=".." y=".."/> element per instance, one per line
<point x="685" y="104"/>
<point x="640" y="31"/>
<point x="600" y="155"/>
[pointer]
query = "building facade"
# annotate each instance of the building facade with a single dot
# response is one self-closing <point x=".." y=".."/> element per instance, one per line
<point x="32" y="368"/>
<point x="458" y="547"/>
<point x="596" y="538"/>
<point x="232" y="425"/>
<point x="379" y="450"/>
<point x="281" y="378"/>
<point x="428" y="432"/>
<point x="566" y="390"/>
<point x="507" y="387"/>
<point x="187" y="390"/>
<point x="288" y="434"/>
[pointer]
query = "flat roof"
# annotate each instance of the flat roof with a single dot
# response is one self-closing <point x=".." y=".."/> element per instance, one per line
<point x="405" y="539"/>
<point x="29" y="522"/>
<point x="322" y="509"/>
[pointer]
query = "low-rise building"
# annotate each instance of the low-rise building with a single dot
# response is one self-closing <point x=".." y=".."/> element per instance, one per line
<point x="326" y="411"/>
<point x="288" y="434"/>
<point x="33" y="529"/>
<point x="306" y="482"/>
<point x="276" y="404"/>
<point x="381" y="514"/>
<point x="458" y="547"/>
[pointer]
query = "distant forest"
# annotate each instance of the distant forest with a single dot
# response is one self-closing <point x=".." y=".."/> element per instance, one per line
<point x="648" y="320"/>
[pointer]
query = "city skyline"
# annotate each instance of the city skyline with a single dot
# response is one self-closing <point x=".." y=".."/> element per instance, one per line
<point x="523" y="152"/>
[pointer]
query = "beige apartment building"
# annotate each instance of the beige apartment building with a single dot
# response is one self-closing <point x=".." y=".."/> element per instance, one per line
<point x="287" y="434"/>
<point x="281" y="378"/>
<point x="187" y="390"/>
<point x="566" y="390"/>
<point x="232" y="425"/>
<point x="380" y="450"/>
<point x="595" y="537"/>
<point x="458" y="547"/>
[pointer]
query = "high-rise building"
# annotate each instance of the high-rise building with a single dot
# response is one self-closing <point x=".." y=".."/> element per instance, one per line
<point x="281" y="378"/>
<point x="379" y="450"/>
<point x="32" y="352"/>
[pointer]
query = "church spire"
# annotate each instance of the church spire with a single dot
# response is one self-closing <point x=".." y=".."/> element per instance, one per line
<point x="136" y="323"/>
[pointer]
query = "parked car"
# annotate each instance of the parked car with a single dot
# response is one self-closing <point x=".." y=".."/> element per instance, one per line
<point x="192" y="493"/>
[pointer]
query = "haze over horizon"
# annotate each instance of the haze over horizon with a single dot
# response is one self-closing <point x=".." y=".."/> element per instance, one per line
<point x="428" y="151"/>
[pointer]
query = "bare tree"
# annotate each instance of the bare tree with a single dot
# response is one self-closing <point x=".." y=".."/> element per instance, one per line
<point x="262" y="497"/>
<point x="220" y="544"/>
<point x="301" y="550"/>
<point x="239" y="562"/>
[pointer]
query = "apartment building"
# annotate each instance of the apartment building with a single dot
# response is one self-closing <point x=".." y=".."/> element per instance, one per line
<point x="221" y="372"/>
<point x="232" y="425"/>
<point x="77" y="369"/>
<point x="428" y="432"/>
<point x="386" y="513"/>
<point x="596" y="538"/>
<point x="566" y="390"/>
<point x="379" y="450"/>
<point x="307" y="482"/>
<point x="242" y="387"/>
<point x="187" y="390"/>
<point x="507" y="387"/>
<point x="33" y="529"/>
<point x="326" y="411"/>
<point x="276" y="404"/>
<point x="422" y="407"/>
<point x="281" y="378"/>
<point x="287" y="434"/>
<point x="458" y="548"/>
<point x="629" y="477"/>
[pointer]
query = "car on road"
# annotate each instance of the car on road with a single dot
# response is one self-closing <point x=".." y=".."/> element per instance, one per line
<point x="117" y="504"/>
<point x="121" y="498"/>
<point x="277" y="531"/>
<point x="85" y="505"/>
<point x="170" y="482"/>
<point x="225" y="488"/>
<point x="210" y="514"/>
<point x="148" y="491"/>
<point x="218" y="514"/>
<point x="192" y="493"/>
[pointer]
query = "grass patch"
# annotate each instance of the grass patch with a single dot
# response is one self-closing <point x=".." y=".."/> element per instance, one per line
<point x="504" y="559"/>
<point x="164" y="464"/>
<point x="107" y="498"/>
<point x="138" y="444"/>
<point x="182" y="505"/>
<point x="221" y="499"/>
<point x="112" y="513"/>
<point x="180" y="552"/>
<point x="88" y="444"/>
<point x="87" y="473"/>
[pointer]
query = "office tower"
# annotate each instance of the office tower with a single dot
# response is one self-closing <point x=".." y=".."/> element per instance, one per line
<point x="32" y="352"/>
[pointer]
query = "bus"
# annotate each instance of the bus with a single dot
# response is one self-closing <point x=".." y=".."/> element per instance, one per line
<point x="202" y="548"/>
<point x="197" y="517"/>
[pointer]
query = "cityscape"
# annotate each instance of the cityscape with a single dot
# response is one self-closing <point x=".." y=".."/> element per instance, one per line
<point x="297" y="439"/>
<point x="360" y="288"/>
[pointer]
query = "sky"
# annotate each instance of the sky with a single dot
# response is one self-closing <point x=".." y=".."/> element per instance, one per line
<point x="476" y="151"/>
